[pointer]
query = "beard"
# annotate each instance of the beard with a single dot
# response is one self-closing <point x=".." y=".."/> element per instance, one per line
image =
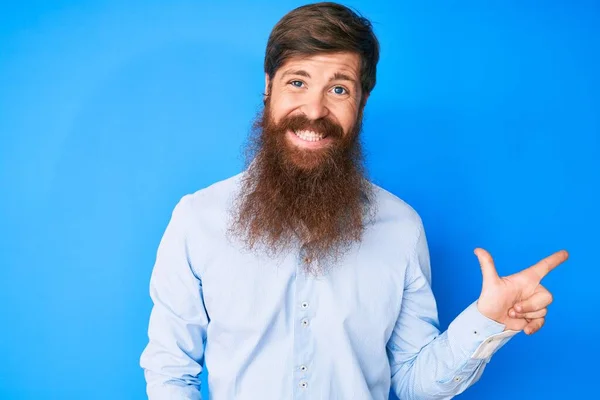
<point x="317" y="198"/>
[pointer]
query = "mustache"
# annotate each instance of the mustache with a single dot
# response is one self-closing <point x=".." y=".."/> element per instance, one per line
<point x="322" y="125"/>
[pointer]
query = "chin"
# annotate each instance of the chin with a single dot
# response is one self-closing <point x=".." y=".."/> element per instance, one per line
<point x="305" y="159"/>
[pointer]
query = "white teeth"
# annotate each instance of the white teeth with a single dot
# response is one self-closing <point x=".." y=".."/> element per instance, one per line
<point x="309" y="136"/>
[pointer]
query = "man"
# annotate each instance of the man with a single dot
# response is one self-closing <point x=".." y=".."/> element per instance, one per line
<point x="300" y="279"/>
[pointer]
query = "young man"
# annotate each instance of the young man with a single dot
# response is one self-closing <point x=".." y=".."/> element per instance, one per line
<point x="300" y="279"/>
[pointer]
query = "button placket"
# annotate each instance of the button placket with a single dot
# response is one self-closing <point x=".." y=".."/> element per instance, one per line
<point x="304" y="310"/>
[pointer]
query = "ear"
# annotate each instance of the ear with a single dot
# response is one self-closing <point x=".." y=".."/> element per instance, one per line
<point x="267" y="85"/>
<point x="364" y="99"/>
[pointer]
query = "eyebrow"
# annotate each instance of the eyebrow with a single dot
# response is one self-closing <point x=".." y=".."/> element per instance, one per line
<point x="338" y="76"/>
<point x="298" y="72"/>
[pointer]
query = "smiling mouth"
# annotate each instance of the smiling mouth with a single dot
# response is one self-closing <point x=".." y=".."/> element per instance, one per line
<point x="309" y="136"/>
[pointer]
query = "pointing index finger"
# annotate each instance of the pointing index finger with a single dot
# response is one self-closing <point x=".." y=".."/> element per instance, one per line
<point x="543" y="267"/>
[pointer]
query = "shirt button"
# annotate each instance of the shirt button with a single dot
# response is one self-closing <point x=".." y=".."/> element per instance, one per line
<point x="303" y="384"/>
<point x="303" y="368"/>
<point x="304" y="305"/>
<point x="457" y="379"/>
<point x="304" y="322"/>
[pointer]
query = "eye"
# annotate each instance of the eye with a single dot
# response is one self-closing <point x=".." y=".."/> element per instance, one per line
<point x="297" y="84"/>
<point x="340" y="90"/>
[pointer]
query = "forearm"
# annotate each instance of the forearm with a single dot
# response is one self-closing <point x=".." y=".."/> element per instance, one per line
<point x="425" y="377"/>
<point x="172" y="360"/>
<point x="453" y="361"/>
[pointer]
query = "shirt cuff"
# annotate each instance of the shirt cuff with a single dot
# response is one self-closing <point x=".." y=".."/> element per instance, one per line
<point x="173" y="391"/>
<point x="476" y="336"/>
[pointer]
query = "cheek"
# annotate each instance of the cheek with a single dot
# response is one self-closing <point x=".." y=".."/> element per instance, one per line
<point x="282" y="105"/>
<point x="347" y="118"/>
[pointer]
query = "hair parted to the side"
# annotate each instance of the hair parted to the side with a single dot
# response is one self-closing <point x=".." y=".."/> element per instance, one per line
<point x="324" y="28"/>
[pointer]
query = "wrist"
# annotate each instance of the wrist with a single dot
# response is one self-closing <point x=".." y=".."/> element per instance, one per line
<point x="490" y="311"/>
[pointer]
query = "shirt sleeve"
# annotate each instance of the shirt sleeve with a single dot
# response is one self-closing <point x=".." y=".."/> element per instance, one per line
<point x="424" y="363"/>
<point x="172" y="360"/>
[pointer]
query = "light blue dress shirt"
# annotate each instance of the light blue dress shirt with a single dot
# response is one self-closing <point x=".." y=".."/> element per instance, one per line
<point x="266" y="330"/>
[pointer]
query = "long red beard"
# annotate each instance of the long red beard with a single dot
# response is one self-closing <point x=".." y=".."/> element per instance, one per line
<point x="318" y="198"/>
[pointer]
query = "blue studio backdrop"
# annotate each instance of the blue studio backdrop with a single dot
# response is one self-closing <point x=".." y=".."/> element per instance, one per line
<point x="485" y="119"/>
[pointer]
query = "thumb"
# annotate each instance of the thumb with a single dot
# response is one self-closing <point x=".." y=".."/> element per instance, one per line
<point x="488" y="270"/>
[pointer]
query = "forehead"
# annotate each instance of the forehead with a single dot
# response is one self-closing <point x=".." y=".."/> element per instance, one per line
<point x="324" y="64"/>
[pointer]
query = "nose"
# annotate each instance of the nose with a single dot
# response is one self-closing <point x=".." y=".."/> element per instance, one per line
<point x="315" y="107"/>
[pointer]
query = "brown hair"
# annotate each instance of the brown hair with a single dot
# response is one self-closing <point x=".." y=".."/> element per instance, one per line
<point x="324" y="28"/>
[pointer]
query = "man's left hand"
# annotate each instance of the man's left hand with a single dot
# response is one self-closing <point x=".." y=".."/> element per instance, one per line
<point x="518" y="301"/>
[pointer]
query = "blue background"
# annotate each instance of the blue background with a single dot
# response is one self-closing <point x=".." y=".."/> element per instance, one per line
<point x="485" y="119"/>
